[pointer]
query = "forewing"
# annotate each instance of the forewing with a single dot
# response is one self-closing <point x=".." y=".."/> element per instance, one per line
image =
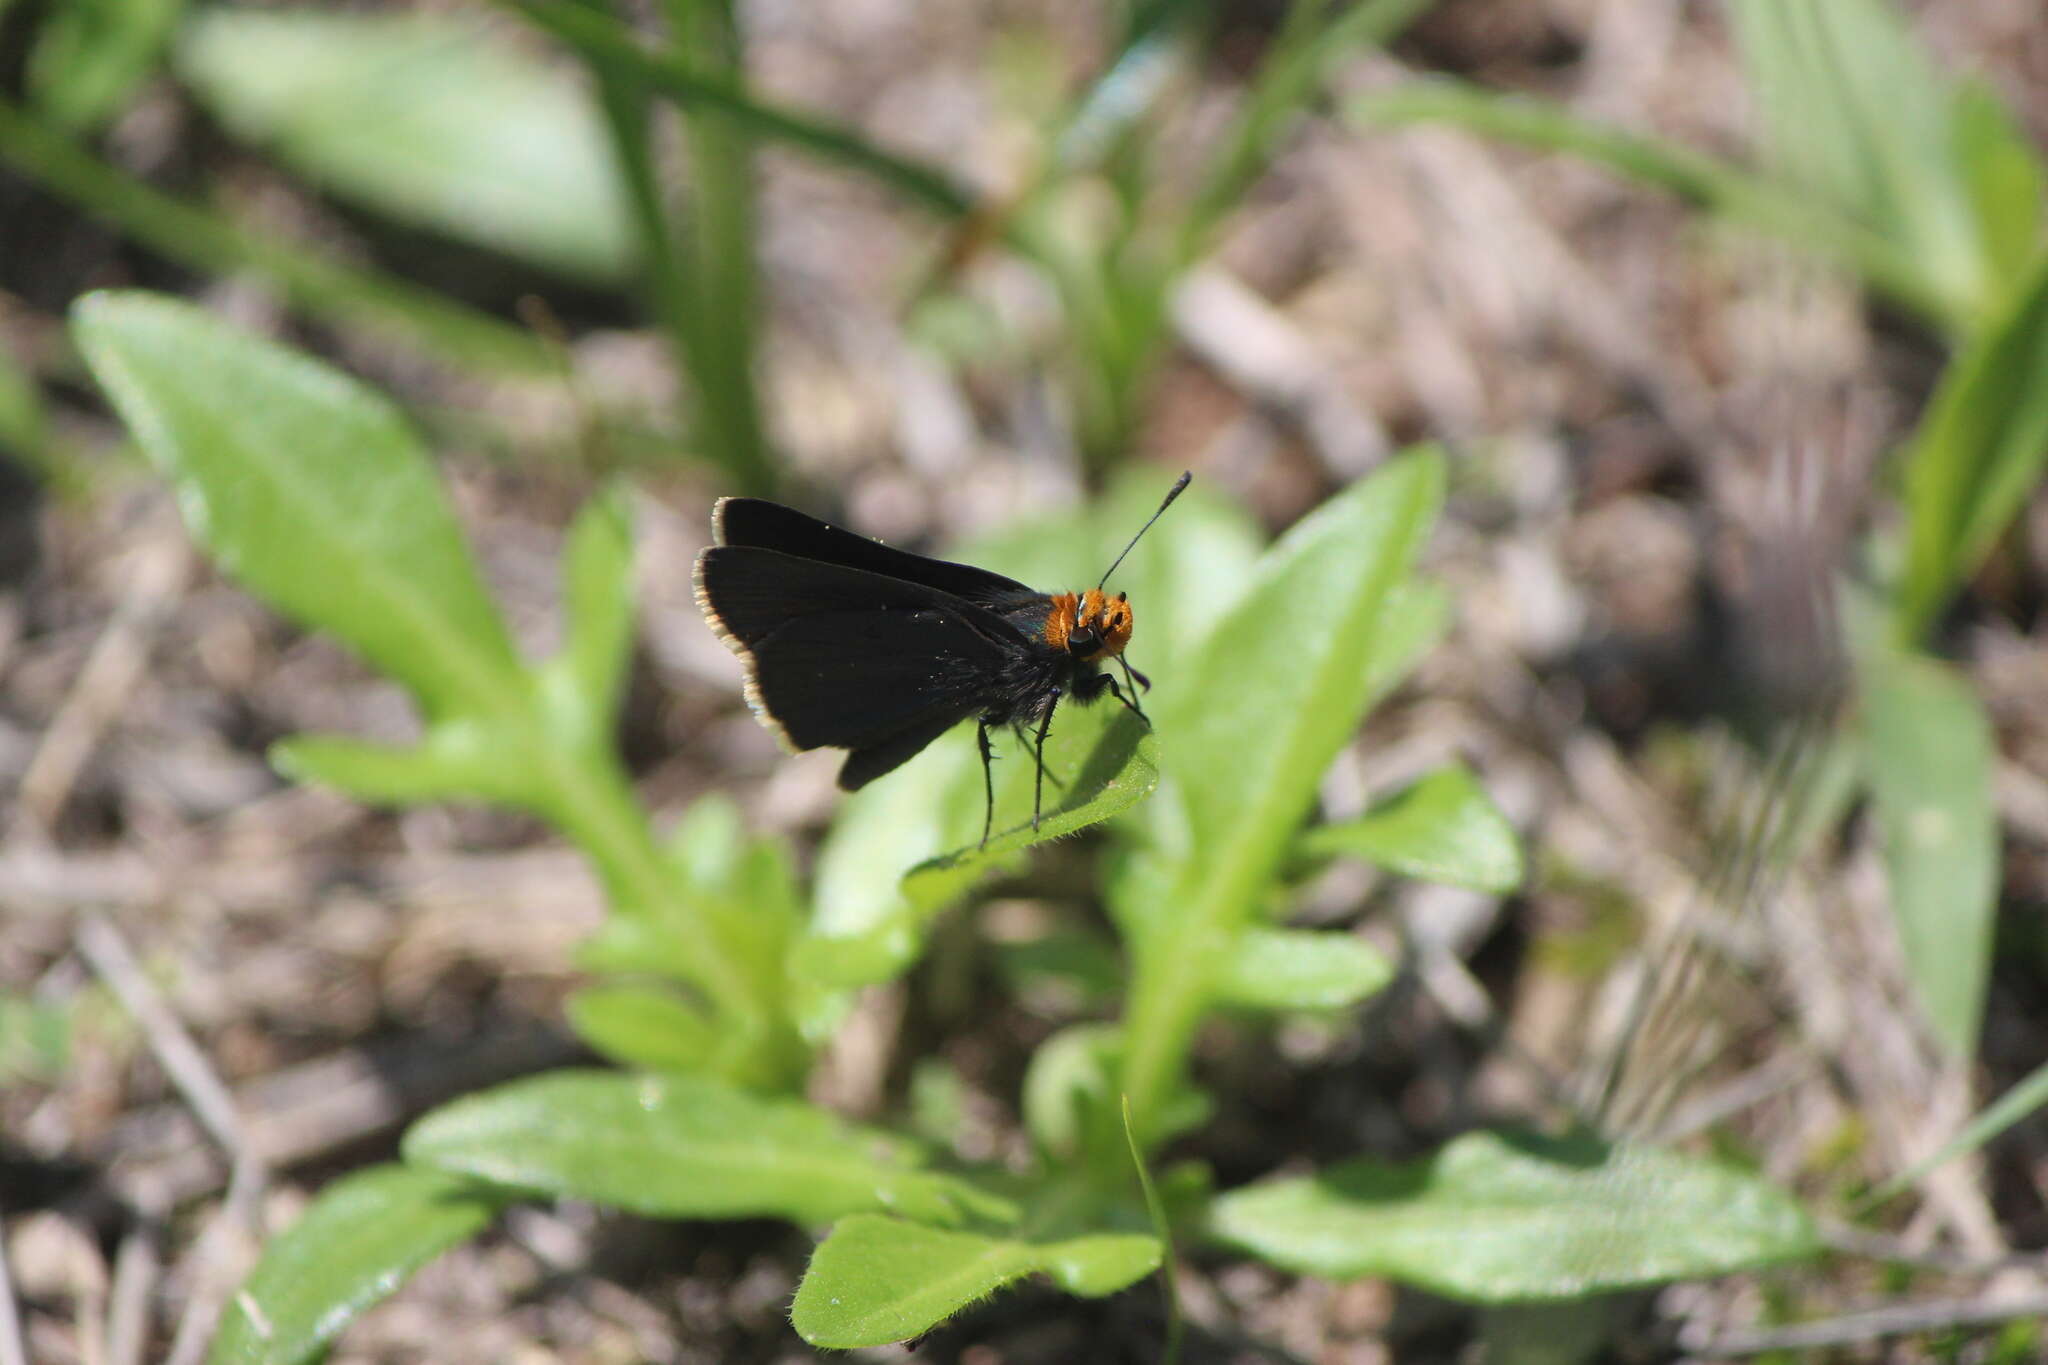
<point x="838" y="656"/>
<point x="770" y="525"/>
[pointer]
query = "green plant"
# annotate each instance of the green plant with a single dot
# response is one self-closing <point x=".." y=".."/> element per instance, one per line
<point x="1927" y="190"/>
<point x="1115" y="225"/>
<point x="416" y="117"/>
<point x="715" y="984"/>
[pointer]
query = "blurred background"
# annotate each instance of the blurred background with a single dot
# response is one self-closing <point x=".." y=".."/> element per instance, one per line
<point x="1731" y="317"/>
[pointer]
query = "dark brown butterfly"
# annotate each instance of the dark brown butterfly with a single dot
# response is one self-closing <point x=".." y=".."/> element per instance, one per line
<point x="851" y="644"/>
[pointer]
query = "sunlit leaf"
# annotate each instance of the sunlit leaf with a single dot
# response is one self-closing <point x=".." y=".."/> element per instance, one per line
<point x="677" y="1146"/>
<point x="1444" y="828"/>
<point x="90" y="56"/>
<point x="877" y="1279"/>
<point x="1931" y="763"/>
<point x="644" y="1027"/>
<point x="1293" y="969"/>
<point x="1855" y="115"/>
<point x="309" y="489"/>
<point x="432" y="119"/>
<point x="1247" y="731"/>
<point x="352" y="1247"/>
<point x="597" y="600"/>
<point x="1495" y="1218"/>
<point x="1977" y="455"/>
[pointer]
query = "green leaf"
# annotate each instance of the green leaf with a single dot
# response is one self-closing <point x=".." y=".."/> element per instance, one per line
<point x="1415" y="617"/>
<point x="676" y="1146"/>
<point x="1931" y="769"/>
<point x="868" y="919"/>
<point x="862" y="929"/>
<point x="352" y="1246"/>
<point x="91" y="54"/>
<point x="1284" y="676"/>
<point x="2005" y="178"/>
<point x="877" y="1280"/>
<point x="1855" y="115"/>
<point x="1067" y="1087"/>
<point x="1099" y="760"/>
<point x="597" y="603"/>
<point x="1977" y="455"/>
<point x="459" y="760"/>
<point x="643" y="1027"/>
<point x="429" y="119"/>
<point x="1444" y="828"/>
<point x="1289" y="969"/>
<point x="610" y="47"/>
<point x="307" y="488"/>
<point x="1497" y="1218"/>
<point x="1247" y="731"/>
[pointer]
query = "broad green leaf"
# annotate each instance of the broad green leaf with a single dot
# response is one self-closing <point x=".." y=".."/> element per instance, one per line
<point x="676" y="1146"/>
<point x="643" y="1027"/>
<point x="1499" y="1218"/>
<point x="1977" y="454"/>
<point x="1444" y="828"/>
<point x="877" y="1280"/>
<point x="742" y="884"/>
<point x="1098" y="761"/>
<point x="1854" y="114"/>
<point x="1073" y="1108"/>
<point x="1415" y="617"/>
<point x="353" y="1246"/>
<point x="433" y="120"/>
<point x="307" y="488"/>
<point x="1067" y="1087"/>
<point x="2005" y="178"/>
<point x="862" y="928"/>
<point x="457" y="760"/>
<point x="868" y="918"/>
<point x="1931" y="760"/>
<point x="92" y="54"/>
<point x="611" y="47"/>
<point x="1291" y="969"/>
<point x="1283" y="677"/>
<point x="1247" y="730"/>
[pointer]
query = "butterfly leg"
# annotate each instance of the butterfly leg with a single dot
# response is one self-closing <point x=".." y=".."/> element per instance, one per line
<point x="1024" y="742"/>
<point x="1137" y="682"/>
<point x="1052" y="700"/>
<point x="988" y="780"/>
<point x="1130" y="704"/>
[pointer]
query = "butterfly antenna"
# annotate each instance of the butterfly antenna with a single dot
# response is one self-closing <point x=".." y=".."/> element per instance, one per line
<point x="1171" y="493"/>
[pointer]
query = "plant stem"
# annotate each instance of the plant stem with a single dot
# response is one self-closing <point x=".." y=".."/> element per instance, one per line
<point x="208" y="242"/>
<point x="593" y="803"/>
<point x="719" y="249"/>
<point x="603" y="41"/>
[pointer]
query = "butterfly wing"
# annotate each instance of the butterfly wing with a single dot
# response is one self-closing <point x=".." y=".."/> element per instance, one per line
<point x="770" y="525"/>
<point x="839" y="656"/>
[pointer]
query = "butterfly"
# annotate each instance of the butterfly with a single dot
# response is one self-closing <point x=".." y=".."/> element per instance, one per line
<point x="851" y="644"/>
